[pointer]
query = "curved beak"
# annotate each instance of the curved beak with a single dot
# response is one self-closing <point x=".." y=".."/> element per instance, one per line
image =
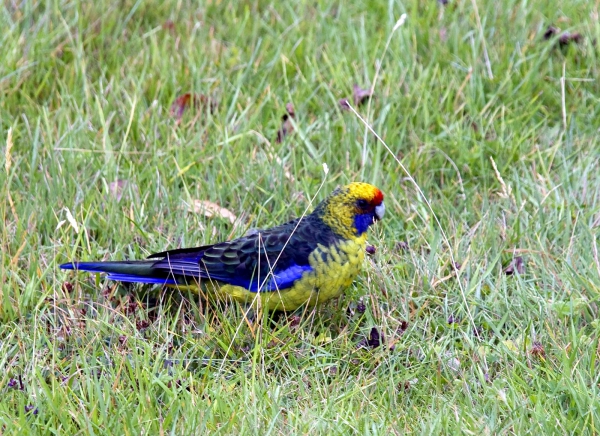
<point x="379" y="211"/>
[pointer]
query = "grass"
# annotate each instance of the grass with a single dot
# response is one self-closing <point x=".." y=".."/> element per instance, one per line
<point x="508" y="161"/>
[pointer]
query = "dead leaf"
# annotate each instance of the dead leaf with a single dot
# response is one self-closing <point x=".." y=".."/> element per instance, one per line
<point x="516" y="265"/>
<point x="31" y="408"/>
<point x="453" y="320"/>
<point x="142" y="324"/>
<point x="169" y="25"/>
<point x="210" y="209"/>
<point x="565" y="38"/>
<point x="360" y="95"/>
<point x="376" y="338"/>
<point x="344" y="104"/>
<point x="117" y="188"/>
<point x="402" y="246"/>
<point x="182" y="102"/>
<point x="131" y="304"/>
<point x="360" y="306"/>
<point x="179" y="105"/>
<point x="402" y="327"/>
<point x="550" y="32"/>
<point x="16" y="383"/>
<point x="287" y="126"/>
<point x="294" y="321"/>
<point x="373" y="340"/>
<point x="403" y="386"/>
<point x="537" y="350"/>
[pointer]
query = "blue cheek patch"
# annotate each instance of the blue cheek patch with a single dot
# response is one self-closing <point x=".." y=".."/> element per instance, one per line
<point x="362" y="222"/>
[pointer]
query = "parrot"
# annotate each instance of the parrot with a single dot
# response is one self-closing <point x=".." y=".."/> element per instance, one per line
<point x="304" y="262"/>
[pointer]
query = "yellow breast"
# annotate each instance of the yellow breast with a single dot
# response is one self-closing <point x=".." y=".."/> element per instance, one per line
<point x="334" y="269"/>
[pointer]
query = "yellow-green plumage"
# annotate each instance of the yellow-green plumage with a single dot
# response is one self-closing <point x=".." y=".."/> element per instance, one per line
<point x="303" y="262"/>
<point x="327" y="281"/>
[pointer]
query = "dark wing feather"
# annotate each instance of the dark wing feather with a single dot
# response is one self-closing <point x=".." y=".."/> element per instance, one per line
<point x="193" y="250"/>
<point x="265" y="260"/>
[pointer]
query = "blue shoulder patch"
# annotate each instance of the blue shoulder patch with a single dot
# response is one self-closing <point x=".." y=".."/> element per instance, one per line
<point x="283" y="279"/>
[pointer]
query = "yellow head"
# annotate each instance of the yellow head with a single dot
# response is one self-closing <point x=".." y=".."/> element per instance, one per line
<point x="351" y="209"/>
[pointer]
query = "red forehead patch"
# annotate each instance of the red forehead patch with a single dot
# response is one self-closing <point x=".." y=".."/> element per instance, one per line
<point x="377" y="198"/>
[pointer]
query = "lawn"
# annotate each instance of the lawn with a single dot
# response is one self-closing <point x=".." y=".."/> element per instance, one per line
<point x="478" y="312"/>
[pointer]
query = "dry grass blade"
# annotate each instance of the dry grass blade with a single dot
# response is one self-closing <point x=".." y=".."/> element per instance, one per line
<point x="7" y="153"/>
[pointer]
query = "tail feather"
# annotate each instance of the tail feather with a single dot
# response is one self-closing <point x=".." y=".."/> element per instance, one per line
<point x="127" y="271"/>
<point x="137" y="279"/>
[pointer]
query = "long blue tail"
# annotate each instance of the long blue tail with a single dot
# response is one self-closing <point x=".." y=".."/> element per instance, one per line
<point x="126" y="271"/>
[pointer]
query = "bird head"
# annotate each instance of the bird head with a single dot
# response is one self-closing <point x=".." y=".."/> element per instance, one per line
<point x="350" y="210"/>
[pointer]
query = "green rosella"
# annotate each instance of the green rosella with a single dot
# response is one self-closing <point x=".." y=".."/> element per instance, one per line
<point x="307" y="260"/>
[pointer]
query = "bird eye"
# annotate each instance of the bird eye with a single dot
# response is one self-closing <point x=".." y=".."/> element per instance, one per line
<point x="362" y="204"/>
